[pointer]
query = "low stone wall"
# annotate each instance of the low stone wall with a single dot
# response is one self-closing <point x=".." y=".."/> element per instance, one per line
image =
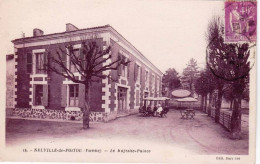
<point x="60" y="114"/>
<point x="66" y="115"/>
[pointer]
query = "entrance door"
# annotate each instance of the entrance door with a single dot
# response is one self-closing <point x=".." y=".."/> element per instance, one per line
<point x="122" y="99"/>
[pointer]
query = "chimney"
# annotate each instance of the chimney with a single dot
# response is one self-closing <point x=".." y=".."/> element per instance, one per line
<point x="70" y="27"/>
<point x="37" y="32"/>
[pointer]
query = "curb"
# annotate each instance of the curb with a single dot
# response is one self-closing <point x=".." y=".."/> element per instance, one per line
<point x="49" y="120"/>
<point x="120" y="116"/>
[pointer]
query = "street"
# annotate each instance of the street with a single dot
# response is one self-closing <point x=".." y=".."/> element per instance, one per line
<point x="196" y="136"/>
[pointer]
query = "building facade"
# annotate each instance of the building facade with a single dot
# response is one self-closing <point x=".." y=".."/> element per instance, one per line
<point x="44" y="94"/>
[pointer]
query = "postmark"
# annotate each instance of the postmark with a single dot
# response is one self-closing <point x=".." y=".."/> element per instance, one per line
<point x="240" y="21"/>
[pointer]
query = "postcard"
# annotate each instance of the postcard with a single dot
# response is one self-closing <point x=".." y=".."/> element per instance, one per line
<point x="140" y="81"/>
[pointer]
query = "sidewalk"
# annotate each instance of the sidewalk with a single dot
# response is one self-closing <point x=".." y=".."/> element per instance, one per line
<point x="216" y="138"/>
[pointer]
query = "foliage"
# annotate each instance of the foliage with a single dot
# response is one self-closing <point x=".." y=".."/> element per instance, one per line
<point x="245" y="94"/>
<point x="230" y="64"/>
<point x="171" y="79"/>
<point x="228" y="94"/>
<point x="206" y="82"/>
<point x="190" y="74"/>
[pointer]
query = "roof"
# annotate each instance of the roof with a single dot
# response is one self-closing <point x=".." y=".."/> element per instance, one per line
<point x="162" y="98"/>
<point x="65" y="32"/>
<point x="36" y="38"/>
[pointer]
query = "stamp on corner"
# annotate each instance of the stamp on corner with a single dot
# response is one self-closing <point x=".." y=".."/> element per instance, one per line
<point x="240" y="21"/>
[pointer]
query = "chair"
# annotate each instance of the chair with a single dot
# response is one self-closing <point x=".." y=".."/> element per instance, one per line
<point x="183" y="114"/>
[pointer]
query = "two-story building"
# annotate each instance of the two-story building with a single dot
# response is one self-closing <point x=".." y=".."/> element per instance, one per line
<point x="42" y="94"/>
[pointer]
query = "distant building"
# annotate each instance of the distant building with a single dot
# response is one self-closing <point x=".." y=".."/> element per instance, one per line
<point x="47" y="92"/>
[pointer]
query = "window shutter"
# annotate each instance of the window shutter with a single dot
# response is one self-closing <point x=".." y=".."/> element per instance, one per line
<point x="135" y="72"/>
<point x="45" y="61"/>
<point x="128" y="70"/>
<point x="63" y="95"/>
<point x="64" y="61"/>
<point x="82" y="58"/>
<point x="81" y="95"/>
<point x="33" y="94"/>
<point x="45" y="95"/>
<point x="141" y="70"/>
<point x="119" y="65"/>
<point x="137" y="97"/>
<point x="29" y="63"/>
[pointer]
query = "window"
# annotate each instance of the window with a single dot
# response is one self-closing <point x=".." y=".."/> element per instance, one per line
<point x="29" y="63"/>
<point x="40" y="63"/>
<point x="73" y="95"/>
<point x="72" y="65"/>
<point x="38" y="94"/>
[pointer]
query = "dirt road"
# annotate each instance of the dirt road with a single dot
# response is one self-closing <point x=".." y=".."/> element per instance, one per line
<point x="196" y="136"/>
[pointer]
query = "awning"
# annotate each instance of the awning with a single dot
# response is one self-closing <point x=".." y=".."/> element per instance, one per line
<point x="187" y="99"/>
<point x="162" y="98"/>
<point x="149" y="98"/>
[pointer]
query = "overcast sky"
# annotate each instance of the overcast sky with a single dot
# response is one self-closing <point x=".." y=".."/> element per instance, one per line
<point x="167" y="32"/>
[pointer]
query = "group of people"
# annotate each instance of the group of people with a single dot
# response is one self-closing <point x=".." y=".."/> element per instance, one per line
<point x="154" y="108"/>
<point x="158" y="110"/>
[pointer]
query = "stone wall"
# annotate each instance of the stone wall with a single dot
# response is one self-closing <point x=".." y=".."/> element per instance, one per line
<point x="61" y="115"/>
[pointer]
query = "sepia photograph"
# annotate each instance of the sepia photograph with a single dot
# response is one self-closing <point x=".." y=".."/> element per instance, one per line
<point x="128" y="81"/>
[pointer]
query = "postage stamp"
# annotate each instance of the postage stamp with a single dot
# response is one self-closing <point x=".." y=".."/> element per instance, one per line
<point x="240" y="21"/>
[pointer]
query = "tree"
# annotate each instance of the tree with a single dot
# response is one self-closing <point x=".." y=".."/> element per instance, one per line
<point x="91" y="63"/>
<point x="229" y="63"/>
<point x="190" y="74"/>
<point x="228" y="95"/>
<point x="245" y="94"/>
<point x="171" y="79"/>
<point x="214" y="37"/>
<point x="201" y="85"/>
<point x="205" y="86"/>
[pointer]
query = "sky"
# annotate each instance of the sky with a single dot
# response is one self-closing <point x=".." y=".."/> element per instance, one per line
<point x="169" y="33"/>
